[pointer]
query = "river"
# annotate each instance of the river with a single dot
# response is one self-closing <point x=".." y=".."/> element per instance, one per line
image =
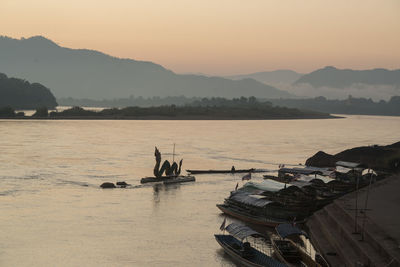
<point x="53" y="212"/>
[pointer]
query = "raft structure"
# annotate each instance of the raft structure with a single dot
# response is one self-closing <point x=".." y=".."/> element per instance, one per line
<point x="168" y="173"/>
<point x="172" y="179"/>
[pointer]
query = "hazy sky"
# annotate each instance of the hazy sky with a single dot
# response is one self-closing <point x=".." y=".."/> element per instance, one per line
<point x="219" y="36"/>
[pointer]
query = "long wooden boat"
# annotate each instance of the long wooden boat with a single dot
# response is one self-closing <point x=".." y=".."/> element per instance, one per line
<point x="250" y="218"/>
<point x="171" y="178"/>
<point x="262" y="206"/>
<point x="243" y="252"/>
<point x="226" y="171"/>
<point x="288" y="251"/>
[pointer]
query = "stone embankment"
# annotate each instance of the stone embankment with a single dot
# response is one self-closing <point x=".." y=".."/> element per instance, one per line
<point x="361" y="228"/>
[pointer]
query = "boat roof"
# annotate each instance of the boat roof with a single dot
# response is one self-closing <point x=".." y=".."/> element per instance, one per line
<point x="247" y="199"/>
<point x="265" y="185"/>
<point x="306" y="171"/>
<point x="286" y="229"/>
<point x="241" y="231"/>
<point x="348" y="164"/>
<point x="341" y="169"/>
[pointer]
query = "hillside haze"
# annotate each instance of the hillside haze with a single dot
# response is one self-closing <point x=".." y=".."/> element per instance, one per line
<point x="82" y="73"/>
<point x="275" y="78"/>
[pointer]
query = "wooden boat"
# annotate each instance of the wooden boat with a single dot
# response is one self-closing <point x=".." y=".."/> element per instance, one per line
<point x="168" y="179"/>
<point x="251" y="218"/>
<point x="260" y="205"/>
<point x="288" y="251"/>
<point x="243" y="252"/>
<point x="226" y="171"/>
<point x="219" y="171"/>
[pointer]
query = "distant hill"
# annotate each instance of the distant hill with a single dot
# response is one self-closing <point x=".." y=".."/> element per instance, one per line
<point x="82" y="73"/>
<point x="351" y="105"/>
<point x="342" y="78"/>
<point x="20" y="94"/>
<point x="274" y="78"/>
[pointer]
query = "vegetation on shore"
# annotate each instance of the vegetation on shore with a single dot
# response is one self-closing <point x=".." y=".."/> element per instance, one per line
<point x="352" y="105"/>
<point x="207" y="109"/>
<point x="20" y="94"/>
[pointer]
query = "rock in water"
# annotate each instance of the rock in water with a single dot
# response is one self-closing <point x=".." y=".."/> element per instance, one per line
<point x="123" y="183"/>
<point x="107" y="185"/>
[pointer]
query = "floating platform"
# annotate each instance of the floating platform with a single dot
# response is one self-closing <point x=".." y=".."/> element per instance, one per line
<point x="226" y="171"/>
<point x="180" y="179"/>
<point x="168" y="179"/>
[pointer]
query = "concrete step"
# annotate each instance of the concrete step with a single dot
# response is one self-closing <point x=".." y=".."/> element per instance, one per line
<point x="364" y="250"/>
<point x="334" y="235"/>
<point x="374" y="236"/>
<point x="321" y="244"/>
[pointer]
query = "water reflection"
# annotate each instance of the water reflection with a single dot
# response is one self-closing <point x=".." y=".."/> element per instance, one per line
<point x="160" y="189"/>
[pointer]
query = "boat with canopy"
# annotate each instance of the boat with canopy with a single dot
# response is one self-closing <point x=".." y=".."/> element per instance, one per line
<point x="287" y="250"/>
<point x="243" y="250"/>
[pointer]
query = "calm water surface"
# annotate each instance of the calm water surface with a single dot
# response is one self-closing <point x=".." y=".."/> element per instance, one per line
<point x="54" y="214"/>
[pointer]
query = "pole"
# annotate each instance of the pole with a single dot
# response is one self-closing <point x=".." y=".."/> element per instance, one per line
<point x="356" y="209"/>
<point x="366" y="203"/>
<point x="173" y="154"/>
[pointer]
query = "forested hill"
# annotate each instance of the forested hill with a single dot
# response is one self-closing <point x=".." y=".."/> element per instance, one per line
<point x="82" y="73"/>
<point x="20" y="94"/>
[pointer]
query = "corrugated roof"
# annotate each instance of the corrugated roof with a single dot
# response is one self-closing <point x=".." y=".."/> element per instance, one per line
<point x="348" y="164"/>
<point x="300" y="171"/>
<point x="241" y="231"/>
<point x="287" y="229"/>
<point x="249" y="200"/>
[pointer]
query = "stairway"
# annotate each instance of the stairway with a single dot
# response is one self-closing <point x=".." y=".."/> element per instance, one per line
<point x="332" y="231"/>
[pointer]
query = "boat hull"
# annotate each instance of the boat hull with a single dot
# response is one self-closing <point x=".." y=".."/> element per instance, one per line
<point x="258" y="260"/>
<point x="305" y="258"/>
<point x="251" y="219"/>
<point x="225" y="171"/>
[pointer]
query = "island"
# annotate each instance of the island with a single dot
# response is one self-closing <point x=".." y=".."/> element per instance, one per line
<point x="207" y="109"/>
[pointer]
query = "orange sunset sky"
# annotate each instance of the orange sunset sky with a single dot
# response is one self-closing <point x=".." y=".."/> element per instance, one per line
<point x="219" y="37"/>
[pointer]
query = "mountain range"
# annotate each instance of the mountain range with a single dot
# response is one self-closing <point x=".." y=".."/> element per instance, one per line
<point x="342" y="78"/>
<point x="82" y="73"/>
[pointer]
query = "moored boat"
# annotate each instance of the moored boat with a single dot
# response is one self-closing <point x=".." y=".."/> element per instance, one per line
<point x="227" y="171"/>
<point x="288" y="251"/>
<point x="245" y="253"/>
<point x="252" y="218"/>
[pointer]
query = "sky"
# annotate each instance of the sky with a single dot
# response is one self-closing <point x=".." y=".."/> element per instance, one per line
<point x="219" y="37"/>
